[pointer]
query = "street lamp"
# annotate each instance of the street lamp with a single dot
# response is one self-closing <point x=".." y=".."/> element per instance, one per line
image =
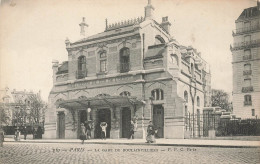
<point x="89" y="110"/>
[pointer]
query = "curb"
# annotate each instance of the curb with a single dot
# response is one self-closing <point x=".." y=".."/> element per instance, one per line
<point x="145" y="144"/>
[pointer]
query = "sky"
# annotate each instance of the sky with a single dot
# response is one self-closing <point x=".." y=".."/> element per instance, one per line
<point x="33" y="33"/>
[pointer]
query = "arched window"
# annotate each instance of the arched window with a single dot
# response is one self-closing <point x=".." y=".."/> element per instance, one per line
<point x="82" y="63"/>
<point x="159" y="40"/>
<point x="125" y="93"/>
<point x="198" y="101"/>
<point x="186" y="98"/>
<point x="157" y="94"/>
<point x="81" y="73"/>
<point x="124" y="65"/>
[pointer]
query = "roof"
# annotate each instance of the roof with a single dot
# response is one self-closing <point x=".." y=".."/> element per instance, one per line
<point x="63" y="68"/>
<point x="99" y="101"/>
<point x="249" y="12"/>
<point x="113" y="29"/>
<point x="155" y="51"/>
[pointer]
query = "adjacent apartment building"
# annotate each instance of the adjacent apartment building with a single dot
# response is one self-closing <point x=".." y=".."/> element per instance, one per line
<point x="246" y="64"/>
<point x="134" y="70"/>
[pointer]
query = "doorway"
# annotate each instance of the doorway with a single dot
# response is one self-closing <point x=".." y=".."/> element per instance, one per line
<point x="61" y="125"/>
<point x="82" y="118"/>
<point x="158" y="120"/>
<point x="126" y="122"/>
<point x="103" y="115"/>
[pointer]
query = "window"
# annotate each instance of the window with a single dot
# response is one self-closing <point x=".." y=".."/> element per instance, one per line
<point x="247" y="67"/>
<point x="124" y="65"/>
<point x="186" y="96"/>
<point x="253" y="112"/>
<point x="247" y="100"/>
<point x="103" y="65"/>
<point x="157" y="94"/>
<point x="198" y="101"/>
<point x="125" y="93"/>
<point x="82" y="63"/>
<point x="247" y="82"/>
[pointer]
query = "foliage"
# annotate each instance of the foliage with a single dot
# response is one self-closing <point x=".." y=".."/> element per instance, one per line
<point x="3" y="115"/>
<point x="220" y="98"/>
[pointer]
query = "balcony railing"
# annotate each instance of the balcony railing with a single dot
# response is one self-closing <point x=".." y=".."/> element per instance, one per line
<point x="246" y="29"/>
<point x="247" y="89"/>
<point x="245" y="44"/>
<point x="247" y="103"/>
<point x="123" y="67"/>
<point x="247" y="57"/>
<point x="80" y="74"/>
<point x="247" y="72"/>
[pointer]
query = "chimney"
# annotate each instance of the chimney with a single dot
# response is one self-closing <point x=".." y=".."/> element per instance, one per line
<point x="82" y="27"/>
<point x="149" y="9"/>
<point x="166" y="24"/>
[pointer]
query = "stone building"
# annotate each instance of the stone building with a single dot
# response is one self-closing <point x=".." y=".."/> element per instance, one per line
<point x="246" y="63"/>
<point x="134" y="70"/>
<point x="16" y="105"/>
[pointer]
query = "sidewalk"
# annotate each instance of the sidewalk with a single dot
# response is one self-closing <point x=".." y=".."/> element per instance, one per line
<point x="159" y="142"/>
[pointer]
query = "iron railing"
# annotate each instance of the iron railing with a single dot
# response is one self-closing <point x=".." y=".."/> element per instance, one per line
<point x="247" y="89"/>
<point x="247" y="103"/>
<point x="80" y="74"/>
<point x="123" y="67"/>
<point x="247" y="57"/>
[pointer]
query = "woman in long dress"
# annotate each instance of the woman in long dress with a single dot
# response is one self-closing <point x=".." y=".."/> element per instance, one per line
<point x="150" y="133"/>
<point x="83" y="133"/>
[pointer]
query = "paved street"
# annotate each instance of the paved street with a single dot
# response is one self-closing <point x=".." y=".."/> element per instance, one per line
<point x="14" y="152"/>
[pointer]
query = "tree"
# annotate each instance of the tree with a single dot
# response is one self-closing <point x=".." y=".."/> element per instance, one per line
<point x="37" y="108"/>
<point x="3" y="115"/>
<point x="220" y="98"/>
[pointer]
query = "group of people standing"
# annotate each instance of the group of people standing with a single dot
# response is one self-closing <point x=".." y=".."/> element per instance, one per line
<point x="37" y="133"/>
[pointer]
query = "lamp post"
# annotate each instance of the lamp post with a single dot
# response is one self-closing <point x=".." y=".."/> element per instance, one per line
<point x="88" y="110"/>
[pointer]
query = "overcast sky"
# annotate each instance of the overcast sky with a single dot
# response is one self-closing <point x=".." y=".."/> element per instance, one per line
<point x="32" y="33"/>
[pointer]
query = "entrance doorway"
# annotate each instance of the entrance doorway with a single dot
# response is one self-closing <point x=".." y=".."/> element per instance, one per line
<point x="158" y="120"/>
<point x="126" y="122"/>
<point x="61" y="125"/>
<point x="82" y="118"/>
<point x="103" y="115"/>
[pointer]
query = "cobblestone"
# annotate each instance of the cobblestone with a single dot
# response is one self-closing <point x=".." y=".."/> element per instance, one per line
<point x="113" y="154"/>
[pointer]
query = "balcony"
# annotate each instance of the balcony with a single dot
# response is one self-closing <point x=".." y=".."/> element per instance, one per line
<point x="247" y="72"/>
<point x="246" y="30"/>
<point x="247" y="89"/>
<point x="245" y="44"/>
<point x="123" y="67"/>
<point x="247" y="57"/>
<point x="247" y="103"/>
<point x="80" y="74"/>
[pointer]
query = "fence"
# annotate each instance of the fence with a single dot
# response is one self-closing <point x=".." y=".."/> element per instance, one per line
<point x="199" y="125"/>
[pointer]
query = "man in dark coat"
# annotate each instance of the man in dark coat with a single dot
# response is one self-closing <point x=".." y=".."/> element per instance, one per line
<point x="150" y="133"/>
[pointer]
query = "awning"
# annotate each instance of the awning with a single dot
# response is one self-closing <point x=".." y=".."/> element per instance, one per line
<point x="103" y="101"/>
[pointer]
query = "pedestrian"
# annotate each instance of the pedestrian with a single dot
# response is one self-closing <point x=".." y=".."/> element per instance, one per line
<point x="88" y="130"/>
<point x="34" y="132"/>
<point x="39" y="132"/>
<point x="150" y="133"/>
<point x="103" y="126"/>
<point x="25" y="132"/>
<point x="82" y="133"/>
<point x="132" y="130"/>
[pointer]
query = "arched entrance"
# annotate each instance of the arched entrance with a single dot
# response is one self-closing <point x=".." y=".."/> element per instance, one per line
<point x="103" y="115"/>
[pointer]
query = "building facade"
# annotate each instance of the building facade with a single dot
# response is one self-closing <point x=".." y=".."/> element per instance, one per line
<point x="17" y="106"/>
<point x="134" y="70"/>
<point x="246" y="63"/>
